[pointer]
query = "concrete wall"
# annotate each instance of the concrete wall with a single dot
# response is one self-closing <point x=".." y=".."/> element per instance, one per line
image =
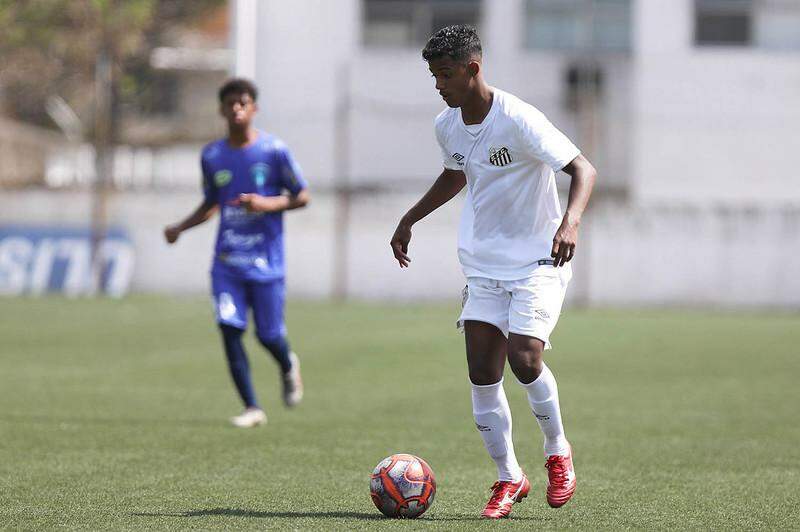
<point x="626" y="255"/>
<point x="675" y="123"/>
<point x="311" y="79"/>
<point x="713" y="125"/>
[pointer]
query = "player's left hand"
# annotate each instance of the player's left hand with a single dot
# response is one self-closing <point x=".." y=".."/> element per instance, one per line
<point x="255" y="202"/>
<point x="564" y="242"/>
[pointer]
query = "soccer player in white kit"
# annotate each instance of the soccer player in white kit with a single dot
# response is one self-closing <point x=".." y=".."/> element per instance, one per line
<point x="514" y="246"/>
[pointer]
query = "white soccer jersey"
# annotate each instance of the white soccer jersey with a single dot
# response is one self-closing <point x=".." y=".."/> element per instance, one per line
<point x="512" y="210"/>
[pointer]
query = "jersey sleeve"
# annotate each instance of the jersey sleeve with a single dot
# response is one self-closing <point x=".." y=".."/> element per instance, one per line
<point x="209" y="189"/>
<point x="441" y="135"/>
<point x="290" y="172"/>
<point x="543" y="141"/>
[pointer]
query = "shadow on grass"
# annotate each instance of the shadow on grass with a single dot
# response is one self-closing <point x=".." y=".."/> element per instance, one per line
<point x="372" y="516"/>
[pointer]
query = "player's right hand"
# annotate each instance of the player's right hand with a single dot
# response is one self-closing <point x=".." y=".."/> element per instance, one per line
<point x="171" y="234"/>
<point x="399" y="243"/>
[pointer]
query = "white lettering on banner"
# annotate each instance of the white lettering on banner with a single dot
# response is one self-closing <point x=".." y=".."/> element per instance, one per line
<point x="15" y="253"/>
<point x="39" y="261"/>
<point x="42" y="266"/>
<point x="121" y="255"/>
<point x="77" y="280"/>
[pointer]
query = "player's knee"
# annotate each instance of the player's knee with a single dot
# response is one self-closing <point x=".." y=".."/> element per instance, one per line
<point x="526" y="364"/>
<point x="271" y="340"/>
<point x="485" y="376"/>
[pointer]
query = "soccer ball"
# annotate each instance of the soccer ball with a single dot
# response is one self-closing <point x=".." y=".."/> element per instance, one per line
<point x="402" y="485"/>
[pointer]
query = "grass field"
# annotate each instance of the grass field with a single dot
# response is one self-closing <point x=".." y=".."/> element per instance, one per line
<point x="114" y="416"/>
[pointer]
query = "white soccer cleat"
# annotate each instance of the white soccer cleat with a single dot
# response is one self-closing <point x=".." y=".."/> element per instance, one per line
<point x="251" y="417"/>
<point x="292" y="383"/>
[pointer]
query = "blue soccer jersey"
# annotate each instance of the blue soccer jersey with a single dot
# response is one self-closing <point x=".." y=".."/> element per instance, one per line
<point x="249" y="245"/>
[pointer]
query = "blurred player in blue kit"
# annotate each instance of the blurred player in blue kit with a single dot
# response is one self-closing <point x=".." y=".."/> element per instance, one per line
<point x="250" y="178"/>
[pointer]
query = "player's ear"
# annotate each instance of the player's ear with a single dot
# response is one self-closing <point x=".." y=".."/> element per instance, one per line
<point x="473" y="68"/>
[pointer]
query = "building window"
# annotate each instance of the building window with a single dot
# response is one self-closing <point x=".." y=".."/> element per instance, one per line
<point x="409" y="23"/>
<point x="777" y="24"/>
<point x="723" y="22"/>
<point x="575" y="25"/>
<point x="771" y="24"/>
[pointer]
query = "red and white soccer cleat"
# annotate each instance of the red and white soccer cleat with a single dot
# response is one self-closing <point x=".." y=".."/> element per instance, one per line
<point x="561" y="480"/>
<point x="504" y="495"/>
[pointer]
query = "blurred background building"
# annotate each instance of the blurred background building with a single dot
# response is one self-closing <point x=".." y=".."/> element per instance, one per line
<point x="688" y="108"/>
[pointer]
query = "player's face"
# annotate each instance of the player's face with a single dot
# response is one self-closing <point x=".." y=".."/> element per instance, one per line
<point x="454" y="80"/>
<point x="238" y="109"/>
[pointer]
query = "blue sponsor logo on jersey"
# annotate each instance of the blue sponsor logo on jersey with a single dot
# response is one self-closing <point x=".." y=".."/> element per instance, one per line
<point x="259" y="171"/>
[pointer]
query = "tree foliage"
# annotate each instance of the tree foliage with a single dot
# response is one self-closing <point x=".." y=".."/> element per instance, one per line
<point x="50" y="47"/>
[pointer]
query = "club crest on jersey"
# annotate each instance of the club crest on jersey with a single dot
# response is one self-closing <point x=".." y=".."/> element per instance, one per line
<point x="259" y="171"/>
<point x="499" y="157"/>
<point x="222" y="177"/>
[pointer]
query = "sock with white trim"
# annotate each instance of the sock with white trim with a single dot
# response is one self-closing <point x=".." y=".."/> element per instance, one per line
<point x="493" y="421"/>
<point x="543" y="398"/>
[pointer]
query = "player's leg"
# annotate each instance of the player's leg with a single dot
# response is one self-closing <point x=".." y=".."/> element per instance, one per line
<point x="268" y="300"/>
<point x="525" y="360"/>
<point x="231" y="313"/>
<point x="486" y="353"/>
<point x="484" y="317"/>
<point x="535" y="308"/>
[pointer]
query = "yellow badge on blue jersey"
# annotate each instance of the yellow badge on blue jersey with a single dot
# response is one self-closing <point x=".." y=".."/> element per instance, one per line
<point x="222" y="177"/>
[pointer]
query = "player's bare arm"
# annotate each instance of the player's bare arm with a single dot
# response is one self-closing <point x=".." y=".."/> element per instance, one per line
<point x="447" y="185"/>
<point x="259" y="203"/>
<point x="201" y="214"/>
<point x="583" y="177"/>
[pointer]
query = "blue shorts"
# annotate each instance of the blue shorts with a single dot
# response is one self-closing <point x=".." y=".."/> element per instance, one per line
<point x="233" y="296"/>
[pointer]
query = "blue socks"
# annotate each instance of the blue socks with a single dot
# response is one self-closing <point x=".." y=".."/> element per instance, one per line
<point x="238" y="364"/>
<point x="279" y="347"/>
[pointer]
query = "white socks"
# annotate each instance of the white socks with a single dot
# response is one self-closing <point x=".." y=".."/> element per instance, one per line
<point x="543" y="398"/>
<point x="493" y="420"/>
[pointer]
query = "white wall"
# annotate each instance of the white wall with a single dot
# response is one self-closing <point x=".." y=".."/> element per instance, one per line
<point x="626" y="255"/>
<point x="302" y="47"/>
<point x="713" y="125"/>
<point x="310" y="59"/>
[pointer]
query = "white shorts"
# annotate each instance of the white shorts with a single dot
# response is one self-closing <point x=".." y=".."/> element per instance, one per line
<point x="529" y="306"/>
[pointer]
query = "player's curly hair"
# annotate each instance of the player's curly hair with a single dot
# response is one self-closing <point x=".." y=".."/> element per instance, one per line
<point x="238" y="86"/>
<point x="460" y="42"/>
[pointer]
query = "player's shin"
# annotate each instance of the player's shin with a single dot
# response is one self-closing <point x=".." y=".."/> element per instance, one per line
<point x="238" y="364"/>
<point x="493" y="421"/>
<point x="278" y="346"/>
<point x="543" y="398"/>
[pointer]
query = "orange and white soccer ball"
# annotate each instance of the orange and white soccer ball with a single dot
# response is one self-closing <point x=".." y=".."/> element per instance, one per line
<point x="402" y="485"/>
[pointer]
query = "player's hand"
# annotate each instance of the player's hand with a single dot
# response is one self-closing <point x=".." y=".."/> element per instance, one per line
<point x="256" y="203"/>
<point x="250" y="202"/>
<point x="399" y="243"/>
<point x="565" y="241"/>
<point x="171" y="234"/>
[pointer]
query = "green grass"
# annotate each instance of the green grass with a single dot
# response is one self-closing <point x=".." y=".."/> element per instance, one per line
<point x="114" y="416"/>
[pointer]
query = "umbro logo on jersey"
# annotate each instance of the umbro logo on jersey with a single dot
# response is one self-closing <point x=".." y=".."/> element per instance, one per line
<point x="541" y="314"/>
<point x="499" y="157"/>
<point x="458" y="157"/>
<point x="482" y="428"/>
